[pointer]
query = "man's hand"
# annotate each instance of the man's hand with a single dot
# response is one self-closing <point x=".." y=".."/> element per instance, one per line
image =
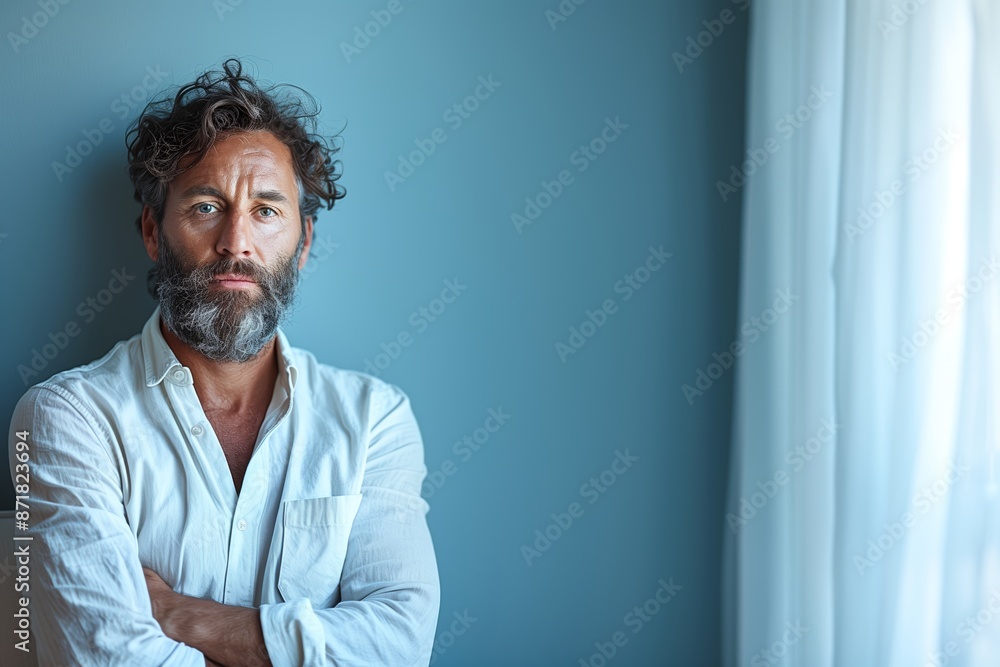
<point x="231" y="635"/>
<point x="163" y="599"/>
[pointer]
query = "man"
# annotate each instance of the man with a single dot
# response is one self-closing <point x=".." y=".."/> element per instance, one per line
<point x="205" y="493"/>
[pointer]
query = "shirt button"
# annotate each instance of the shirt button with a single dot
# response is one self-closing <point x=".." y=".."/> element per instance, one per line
<point x="179" y="375"/>
<point x="242" y="525"/>
<point x="197" y="430"/>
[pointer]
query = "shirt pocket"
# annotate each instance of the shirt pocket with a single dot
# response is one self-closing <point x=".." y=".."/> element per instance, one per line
<point x="314" y="547"/>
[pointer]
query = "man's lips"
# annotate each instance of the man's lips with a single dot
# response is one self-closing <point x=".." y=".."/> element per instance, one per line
<point x="233" y="280"/>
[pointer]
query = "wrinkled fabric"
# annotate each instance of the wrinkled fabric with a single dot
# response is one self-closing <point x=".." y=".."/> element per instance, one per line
<point x="327" y="537"/>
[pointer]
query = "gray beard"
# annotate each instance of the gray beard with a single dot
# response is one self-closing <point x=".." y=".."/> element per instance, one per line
<point x="231" y="325"/>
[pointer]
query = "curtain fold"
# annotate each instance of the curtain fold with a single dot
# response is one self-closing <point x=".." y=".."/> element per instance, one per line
<point x="862" y="515"/>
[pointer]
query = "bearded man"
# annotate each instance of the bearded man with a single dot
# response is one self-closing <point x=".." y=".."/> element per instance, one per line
<point x="205" y="493"/>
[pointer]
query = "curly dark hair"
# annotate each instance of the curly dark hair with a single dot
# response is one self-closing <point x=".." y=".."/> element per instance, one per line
<point x="190" y="121"/>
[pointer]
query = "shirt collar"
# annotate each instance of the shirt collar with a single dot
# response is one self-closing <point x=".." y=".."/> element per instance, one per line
<point x="159" y="359"/>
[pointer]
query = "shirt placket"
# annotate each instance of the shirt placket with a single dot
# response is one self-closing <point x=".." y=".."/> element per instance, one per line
<point x="244" y="539"/>
<point x="248" y="536"/>
<point x="242" y="511"/>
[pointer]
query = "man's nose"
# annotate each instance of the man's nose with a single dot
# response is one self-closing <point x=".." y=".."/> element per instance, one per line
<point x="236" y="236"/>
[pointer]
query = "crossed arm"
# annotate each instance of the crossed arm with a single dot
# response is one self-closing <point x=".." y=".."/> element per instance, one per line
<point x="96" y="604"/>
<point x="226" y="634"/>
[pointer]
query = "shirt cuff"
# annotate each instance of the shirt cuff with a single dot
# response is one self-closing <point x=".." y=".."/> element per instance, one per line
<point x="293" y="634"/>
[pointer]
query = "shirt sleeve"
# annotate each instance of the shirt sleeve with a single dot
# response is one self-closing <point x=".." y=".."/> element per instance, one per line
<point x="390" y="591"/>
<point x="88" y="596"/>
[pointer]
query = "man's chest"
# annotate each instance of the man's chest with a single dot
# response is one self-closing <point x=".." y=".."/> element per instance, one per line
<point x="237" y="435"/>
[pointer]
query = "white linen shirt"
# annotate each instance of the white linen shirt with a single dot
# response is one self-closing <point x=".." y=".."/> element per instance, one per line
<point x="328" y="535"/>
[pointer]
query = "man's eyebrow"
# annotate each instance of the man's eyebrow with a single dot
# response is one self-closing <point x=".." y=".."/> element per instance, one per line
<point x="207" y="191"/>
<point x="201" y="191"/>
<point x="270" y="195"/>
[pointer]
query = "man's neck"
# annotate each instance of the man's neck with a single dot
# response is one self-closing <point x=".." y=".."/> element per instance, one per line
<point x="230" y="386"/>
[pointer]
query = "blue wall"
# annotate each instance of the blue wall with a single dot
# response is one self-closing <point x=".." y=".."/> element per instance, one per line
<point x="387" y="250"/>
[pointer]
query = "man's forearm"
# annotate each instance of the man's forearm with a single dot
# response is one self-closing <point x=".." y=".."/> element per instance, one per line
<point x="226" y="634"/>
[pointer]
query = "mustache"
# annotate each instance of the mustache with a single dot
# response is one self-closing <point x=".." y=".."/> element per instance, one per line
<point x="205" y="274"/>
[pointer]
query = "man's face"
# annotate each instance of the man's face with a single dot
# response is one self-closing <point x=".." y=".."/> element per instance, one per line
<point x="229" y="247"/>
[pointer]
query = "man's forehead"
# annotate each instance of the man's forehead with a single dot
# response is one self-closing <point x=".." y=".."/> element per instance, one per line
<point x="254" y="155"/>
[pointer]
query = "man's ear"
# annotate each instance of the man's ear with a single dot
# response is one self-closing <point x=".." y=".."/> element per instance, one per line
<point x="304" y="257"/>
<point x="149" y="233"/>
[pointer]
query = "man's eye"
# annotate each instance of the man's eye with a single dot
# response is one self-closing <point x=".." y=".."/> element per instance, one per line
<point x="205" y="208"/>
<point x="268" y="212"/>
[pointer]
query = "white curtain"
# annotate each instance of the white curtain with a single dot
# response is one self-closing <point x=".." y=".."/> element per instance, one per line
<point x="863" y="523"/>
